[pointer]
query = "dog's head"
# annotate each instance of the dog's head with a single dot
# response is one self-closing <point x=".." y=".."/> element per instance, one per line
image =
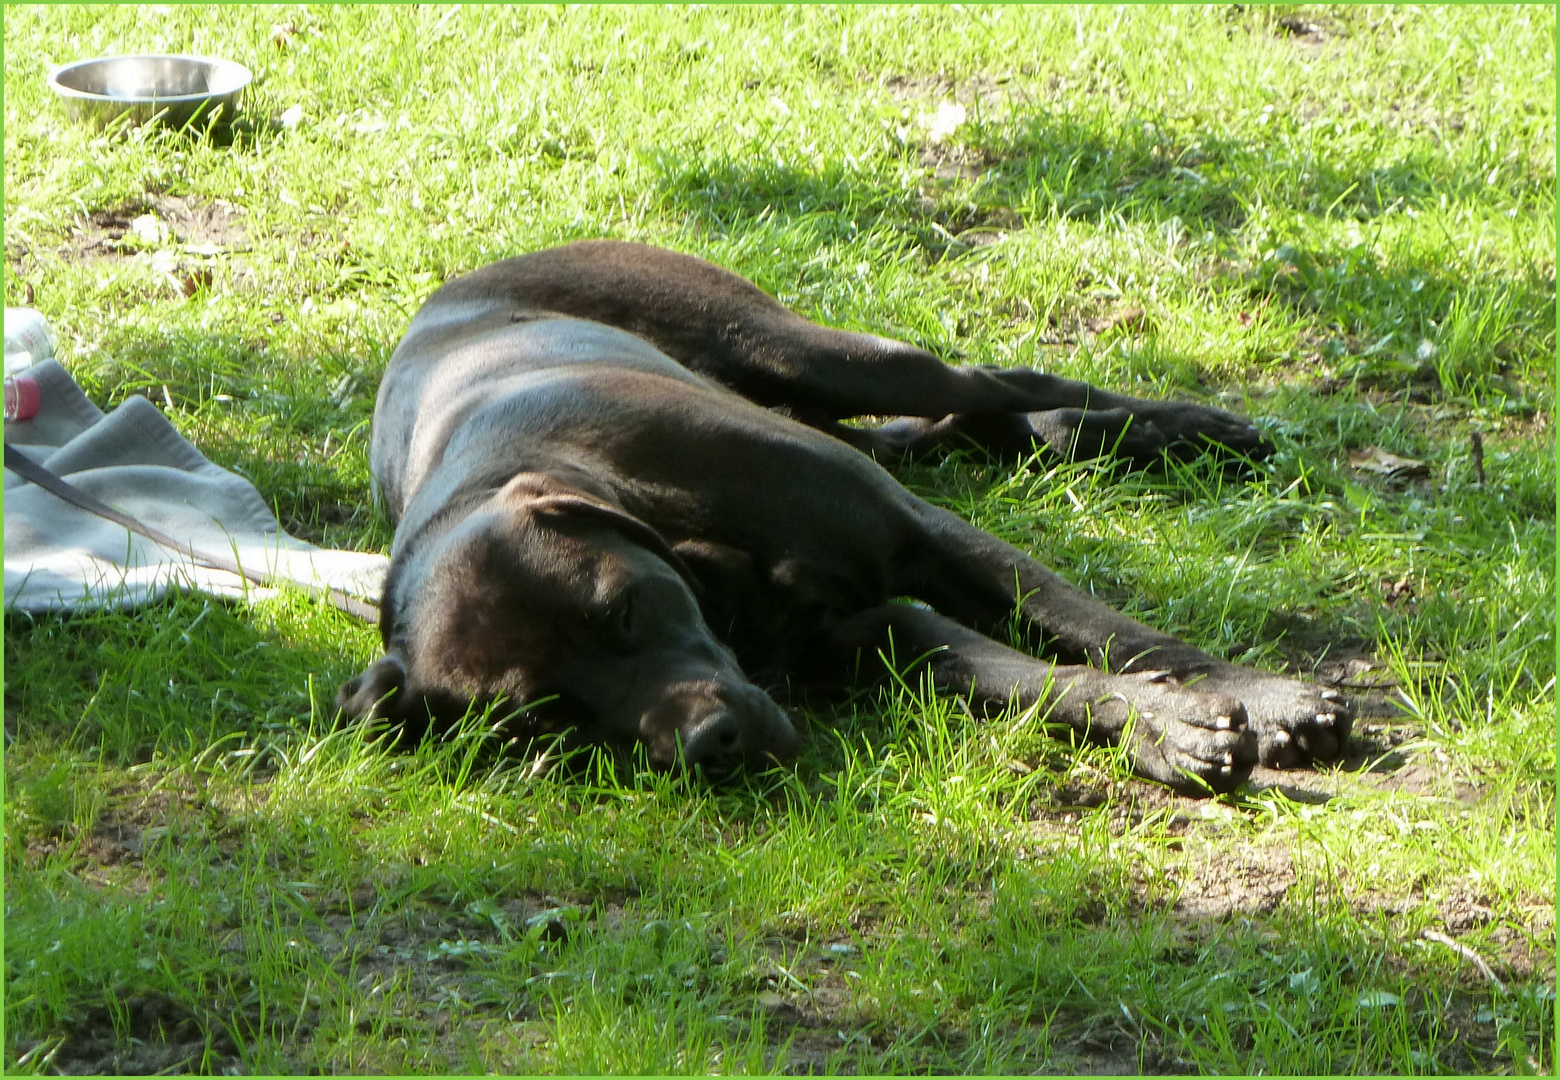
<point x="547" y="591"/>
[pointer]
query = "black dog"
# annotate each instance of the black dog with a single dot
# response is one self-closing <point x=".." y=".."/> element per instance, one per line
<point x="595" y="505"/>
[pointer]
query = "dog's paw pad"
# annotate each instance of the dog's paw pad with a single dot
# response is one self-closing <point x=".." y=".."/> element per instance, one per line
<point x="1295" y="722"/>
<point x="1202" y="742"/>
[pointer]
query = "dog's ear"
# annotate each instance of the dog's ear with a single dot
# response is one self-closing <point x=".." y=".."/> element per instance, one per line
<point x="374" y="694"/>
<point x="545" y="496"/>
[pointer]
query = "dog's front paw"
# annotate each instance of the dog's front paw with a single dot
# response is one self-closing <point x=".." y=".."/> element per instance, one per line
<point x="1295" y="723"/>
<point x="1179" y="748"/>
<point x="1189" y="739"/>
<point x="372" y="694"/>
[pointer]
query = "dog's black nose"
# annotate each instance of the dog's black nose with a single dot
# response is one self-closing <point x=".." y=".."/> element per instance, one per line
<point x="718" y="745"/>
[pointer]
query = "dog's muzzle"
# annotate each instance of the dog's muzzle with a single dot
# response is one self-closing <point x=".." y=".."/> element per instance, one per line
<point x="723" y="728"/>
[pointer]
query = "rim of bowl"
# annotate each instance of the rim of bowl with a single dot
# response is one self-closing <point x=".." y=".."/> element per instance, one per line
<point x="242" y="77"/>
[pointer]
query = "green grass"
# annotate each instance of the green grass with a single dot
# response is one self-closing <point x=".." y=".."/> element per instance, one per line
<point x="1347" y="233"/>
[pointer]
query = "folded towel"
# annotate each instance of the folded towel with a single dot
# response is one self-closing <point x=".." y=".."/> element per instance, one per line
<point x="61" y="558"/>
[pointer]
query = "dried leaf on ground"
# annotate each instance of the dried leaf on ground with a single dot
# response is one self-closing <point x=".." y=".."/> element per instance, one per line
<point x="1128" y="318"/>
<point x="1374" y="459"/>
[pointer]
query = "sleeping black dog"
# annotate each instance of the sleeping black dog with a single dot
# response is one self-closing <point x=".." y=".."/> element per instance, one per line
<point x="620" y="483"/>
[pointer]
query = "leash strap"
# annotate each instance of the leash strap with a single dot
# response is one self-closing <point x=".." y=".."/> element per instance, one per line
<point x="28" y="469"/>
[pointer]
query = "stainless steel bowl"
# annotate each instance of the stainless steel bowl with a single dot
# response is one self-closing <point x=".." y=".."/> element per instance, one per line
<point x="173" y="90"/>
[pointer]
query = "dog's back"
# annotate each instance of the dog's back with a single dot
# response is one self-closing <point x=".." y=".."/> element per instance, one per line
<point x="448" y="369"/>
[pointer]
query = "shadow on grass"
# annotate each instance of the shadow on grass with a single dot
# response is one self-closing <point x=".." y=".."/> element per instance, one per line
<point x="1009" y="957"/>
<point x="126" y="689"/>
<point x="1373" y="307"/>
<point x="1017" y="950"/>
<point x="258" y="409"/>
<point x="1061" y="163"/>
<point x="1148" y="172"/>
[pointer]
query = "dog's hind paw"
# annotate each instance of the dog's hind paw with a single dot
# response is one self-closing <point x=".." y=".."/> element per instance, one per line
<point x="1195" y="428"/>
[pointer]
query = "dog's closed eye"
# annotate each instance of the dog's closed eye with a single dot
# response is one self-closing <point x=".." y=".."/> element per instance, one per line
<point x="624" y="621"/>
<point x="618" y="624"/>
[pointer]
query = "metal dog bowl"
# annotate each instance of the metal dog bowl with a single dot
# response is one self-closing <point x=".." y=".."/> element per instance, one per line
<point x="172" y="89"/>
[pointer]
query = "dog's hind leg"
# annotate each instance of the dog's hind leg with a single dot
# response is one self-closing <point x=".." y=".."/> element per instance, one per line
<point x="1187" y="738"/>
<point x="726" y="328"/>
<point x="830" y="375"/>
<point x="1069" y="434"/>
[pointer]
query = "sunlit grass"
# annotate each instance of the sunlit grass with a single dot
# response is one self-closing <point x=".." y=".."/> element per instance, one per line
<point x="1345" y="231"/>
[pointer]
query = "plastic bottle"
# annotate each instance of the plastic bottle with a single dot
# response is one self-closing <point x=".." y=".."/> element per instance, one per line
<point x="22" y="397"/>
<point x="28" y="339"/>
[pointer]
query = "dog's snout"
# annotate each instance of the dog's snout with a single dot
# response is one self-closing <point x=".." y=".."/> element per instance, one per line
<point x="746" y="729"/>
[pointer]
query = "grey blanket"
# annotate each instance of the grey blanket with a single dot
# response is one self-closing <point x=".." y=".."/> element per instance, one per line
<point x="60" y="558"/>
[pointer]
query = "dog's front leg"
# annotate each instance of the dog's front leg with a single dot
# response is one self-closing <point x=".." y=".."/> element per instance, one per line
<point x="981" y="581"/>
<point x="1187" y="738"/>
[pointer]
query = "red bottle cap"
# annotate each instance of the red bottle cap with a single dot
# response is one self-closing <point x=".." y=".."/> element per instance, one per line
<point x="22" y="397"/>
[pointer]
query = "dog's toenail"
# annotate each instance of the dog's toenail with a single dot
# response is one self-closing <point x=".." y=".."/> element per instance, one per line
<point x="1223" y="723"/>
<point x="1281" y="738"/>
<point x="1326" y="718"/>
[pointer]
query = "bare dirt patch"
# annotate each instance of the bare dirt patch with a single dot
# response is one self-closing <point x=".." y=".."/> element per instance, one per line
<point x="202" y="227"/>
<point x="160" y="1036"/>
<point x="990" y="95"/>
<point x="182" y="236"/>
<point x="1309" y="31"/>
<point x="1420" y="778"/>
<point x="1219" y="883"/>
<point x="136" y="815"/>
